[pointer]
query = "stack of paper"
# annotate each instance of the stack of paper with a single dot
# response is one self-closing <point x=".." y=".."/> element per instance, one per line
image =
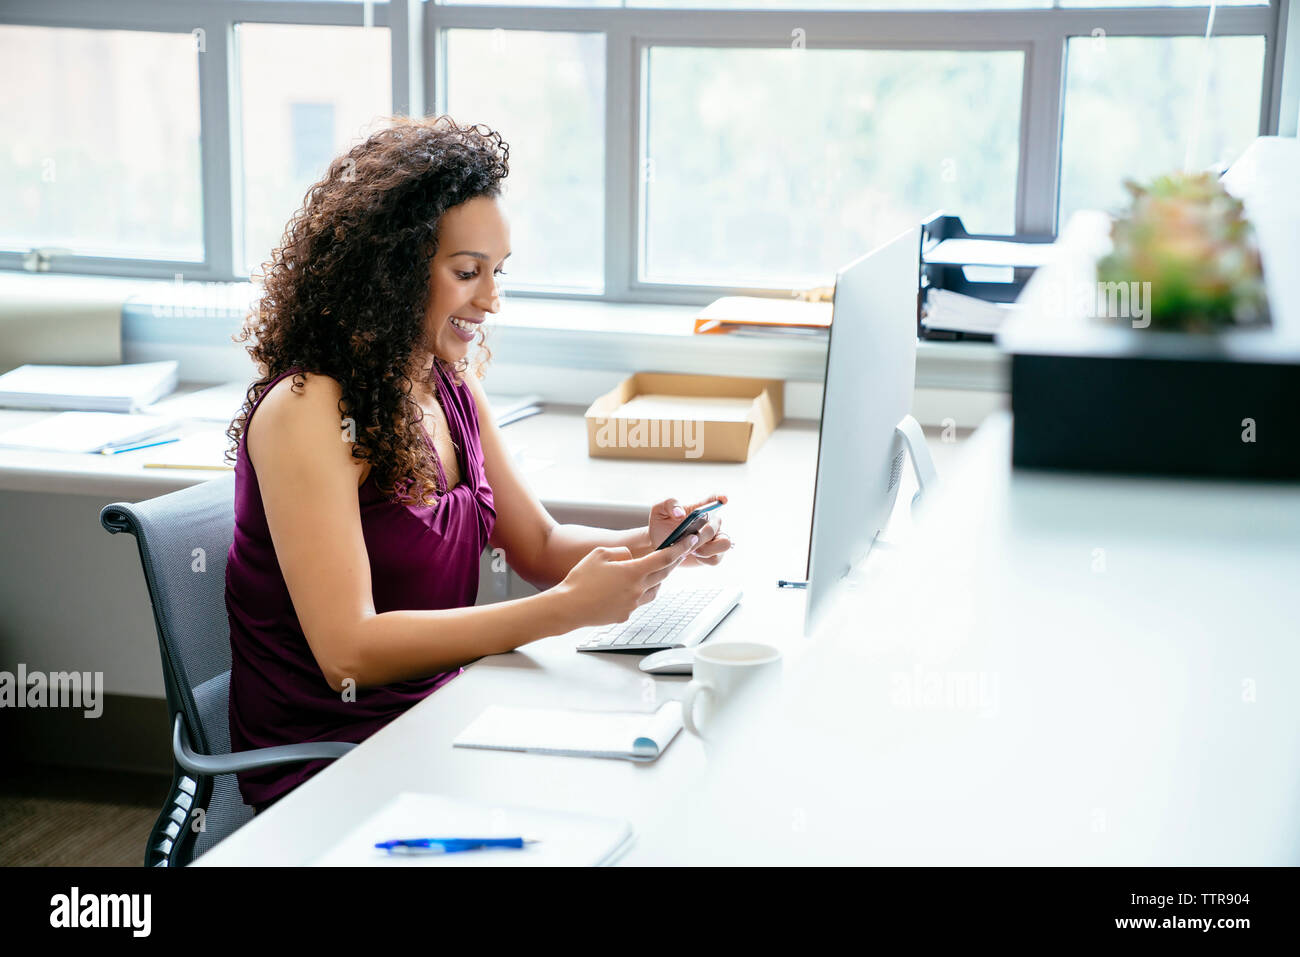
<point x="991" y="252"/>
<point x="86" y="432"/>
<point x="561" y="838"/>
<point x="122" y="388"/>
<point x="633" y="736"/>
<point x="753" y="315"/>
<point x="953" y="312"/>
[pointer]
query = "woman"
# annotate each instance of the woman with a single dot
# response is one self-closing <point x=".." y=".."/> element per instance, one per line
<point x="375" y="477"/>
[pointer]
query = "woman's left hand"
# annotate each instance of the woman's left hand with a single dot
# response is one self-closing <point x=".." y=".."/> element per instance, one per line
<point x="713" y="544"/>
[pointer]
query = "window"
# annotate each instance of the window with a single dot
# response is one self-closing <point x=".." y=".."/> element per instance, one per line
<point x="799" y="5"/>
<point x="845" y="4"/>
<point x="661" y="150"/>
<point x="311" y="136"/>
<point x="763" y="166"/>
<point x="101" y="142"/>
<point x="307" y="94"/>
<point x="1134" y="106"/>
<point x="545" y="94"/>
<point x="1162" y="3"/>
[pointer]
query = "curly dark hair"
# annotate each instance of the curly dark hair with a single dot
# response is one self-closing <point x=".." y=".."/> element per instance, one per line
<point x="346" y="292"/>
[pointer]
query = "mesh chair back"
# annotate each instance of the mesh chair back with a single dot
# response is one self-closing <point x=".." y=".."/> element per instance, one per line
<point x="184" y="538"/>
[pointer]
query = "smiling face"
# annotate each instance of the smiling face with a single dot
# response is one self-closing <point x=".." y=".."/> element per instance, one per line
<point x="473" y="243"/>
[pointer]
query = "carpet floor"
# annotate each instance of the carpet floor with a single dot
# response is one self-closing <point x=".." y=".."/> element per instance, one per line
<point x="52" y="817"/>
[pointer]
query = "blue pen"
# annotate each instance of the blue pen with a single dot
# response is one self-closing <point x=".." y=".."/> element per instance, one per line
<point x="133" y="448"/>
<point x="450" y="845"/>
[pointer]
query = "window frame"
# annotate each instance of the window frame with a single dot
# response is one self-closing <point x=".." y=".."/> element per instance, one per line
<point x="417" y="44"/>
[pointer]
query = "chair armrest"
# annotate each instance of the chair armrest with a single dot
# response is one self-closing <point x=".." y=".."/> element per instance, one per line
<point x="196" y="763"/>
<point x="116" y="518"/>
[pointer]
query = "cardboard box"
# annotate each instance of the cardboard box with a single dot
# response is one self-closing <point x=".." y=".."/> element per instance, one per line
<point x="701" y="418"/>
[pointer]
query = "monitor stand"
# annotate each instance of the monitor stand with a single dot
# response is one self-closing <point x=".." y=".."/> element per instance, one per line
<point x="912" y="437"/>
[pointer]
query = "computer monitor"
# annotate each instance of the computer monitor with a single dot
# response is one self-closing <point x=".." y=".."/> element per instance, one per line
<point x="865" y="425"/>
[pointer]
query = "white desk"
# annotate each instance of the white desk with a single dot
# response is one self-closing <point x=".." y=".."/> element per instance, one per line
<point x="769" y="518"/>
<point x="414" y="752"/>
<point x="1060" y="669"/>
<point x="552" y="446"/>
<point x="49" y="506"/>
<point x="72" y="595"/>
<point x="113" y="477"/>
<point x="1115" y="727"/>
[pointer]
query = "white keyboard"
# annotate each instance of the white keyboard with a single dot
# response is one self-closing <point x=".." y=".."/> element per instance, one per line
<point x="679" y="619"/>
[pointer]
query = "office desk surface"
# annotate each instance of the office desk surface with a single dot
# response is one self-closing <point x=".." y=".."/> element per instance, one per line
<point x="550" y="448"/>
<point x="769" y="518"/>
<point x="51" y="504"/>
<point x="1059" y="669"/>
<point x="414" y="752"/>
<point x="115" y="477"/>
<point x="1056" y="669"/>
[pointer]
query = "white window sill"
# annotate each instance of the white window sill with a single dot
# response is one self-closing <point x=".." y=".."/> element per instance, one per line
<point x="566" y="350"/>
<point x="629" y="336"/>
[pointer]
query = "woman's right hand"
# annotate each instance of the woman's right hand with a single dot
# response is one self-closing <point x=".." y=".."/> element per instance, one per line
<point x="609" y="584"/>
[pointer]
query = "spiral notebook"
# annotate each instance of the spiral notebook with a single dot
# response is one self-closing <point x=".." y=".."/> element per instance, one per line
<point x="630" y="735"/>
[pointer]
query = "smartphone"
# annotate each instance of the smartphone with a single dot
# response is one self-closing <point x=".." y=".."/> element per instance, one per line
<point x="690" y="524"/>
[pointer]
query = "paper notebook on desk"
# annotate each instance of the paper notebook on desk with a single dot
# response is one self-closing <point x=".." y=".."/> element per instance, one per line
<point x="563" y="839"/>
<point x="86" y="432"/>
<point x="630" y="735"/>
<point x="117" y="388"/>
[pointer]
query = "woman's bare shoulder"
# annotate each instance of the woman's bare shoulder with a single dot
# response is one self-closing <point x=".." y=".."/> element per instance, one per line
<point x="315" y="388"/>
<point x="305" y="420"/>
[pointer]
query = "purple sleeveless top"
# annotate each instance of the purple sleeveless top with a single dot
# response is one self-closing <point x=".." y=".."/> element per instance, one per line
<point x="421" y="557"/>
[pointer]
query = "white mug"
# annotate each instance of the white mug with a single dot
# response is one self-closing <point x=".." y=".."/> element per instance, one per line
<point x="721" y="671"/>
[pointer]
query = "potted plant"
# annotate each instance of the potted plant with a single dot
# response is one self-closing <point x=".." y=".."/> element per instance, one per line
<point x="1188" y="238"/>
<point x="1164" y="340"/>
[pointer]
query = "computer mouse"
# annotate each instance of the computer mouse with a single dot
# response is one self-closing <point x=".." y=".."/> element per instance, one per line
<point x="673" y="661"/>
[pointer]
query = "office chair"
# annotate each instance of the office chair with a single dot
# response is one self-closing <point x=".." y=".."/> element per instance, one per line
<point x="184" y="538"/>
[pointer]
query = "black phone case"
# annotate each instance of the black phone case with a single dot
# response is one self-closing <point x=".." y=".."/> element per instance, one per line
<point x="690" y="524"/>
